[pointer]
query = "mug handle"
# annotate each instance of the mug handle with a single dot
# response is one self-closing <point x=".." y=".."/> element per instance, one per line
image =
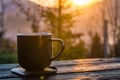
<point x="62" y="47"/>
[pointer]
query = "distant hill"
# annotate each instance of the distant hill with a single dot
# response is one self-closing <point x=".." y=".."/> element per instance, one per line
<point x="15" y="21"/>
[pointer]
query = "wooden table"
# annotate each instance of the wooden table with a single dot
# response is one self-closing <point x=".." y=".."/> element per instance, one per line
<point x="81" y="69"/>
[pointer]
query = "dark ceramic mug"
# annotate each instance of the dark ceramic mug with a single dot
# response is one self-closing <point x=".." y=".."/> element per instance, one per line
<point x="35" y="50"/>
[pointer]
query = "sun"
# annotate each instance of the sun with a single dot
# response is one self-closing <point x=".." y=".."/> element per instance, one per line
<point x="81" y="2"/>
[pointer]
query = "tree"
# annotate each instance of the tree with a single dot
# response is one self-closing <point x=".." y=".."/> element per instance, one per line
<point x="113" y="10"/>
<point x="96" y="50"/>
<point x="117" y="30"/>
<point x="61" y="24"/>
<point x="62" y="21"/>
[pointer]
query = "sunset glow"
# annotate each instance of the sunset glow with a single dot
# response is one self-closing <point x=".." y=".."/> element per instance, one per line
<point x="85" y="3"/>
<point x="48" y="3"/>
<point x="81" y="2"/>
<point x="75" y="3"/>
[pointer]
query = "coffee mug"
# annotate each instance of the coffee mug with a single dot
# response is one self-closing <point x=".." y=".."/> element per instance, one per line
<point x="34" y="51"/>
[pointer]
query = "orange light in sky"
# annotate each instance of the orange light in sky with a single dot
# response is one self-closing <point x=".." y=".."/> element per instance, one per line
<point x="81" y="2"/>
<point x="48" y="3"/>
<point x="51" y="3"/>
<point x="84" y="3"/>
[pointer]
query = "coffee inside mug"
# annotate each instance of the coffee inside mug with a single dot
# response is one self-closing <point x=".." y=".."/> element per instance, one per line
<point x="34" y="50"/>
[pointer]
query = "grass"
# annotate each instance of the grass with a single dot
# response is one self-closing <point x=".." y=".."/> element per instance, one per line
<point x="6" y="58"/>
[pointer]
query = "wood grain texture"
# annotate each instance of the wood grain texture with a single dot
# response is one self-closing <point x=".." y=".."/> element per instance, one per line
<point x="81" y="69"/>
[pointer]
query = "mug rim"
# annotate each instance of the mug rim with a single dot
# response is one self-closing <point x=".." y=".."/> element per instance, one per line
<point x="34" y="34"/>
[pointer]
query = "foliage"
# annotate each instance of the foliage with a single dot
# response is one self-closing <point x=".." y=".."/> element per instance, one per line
<point x="117" y="48"/>
<point x="96" y="50"/>
<point x="7" y="57"/>
<point x="61" y="24"/>
<point x="52" y="19"/>
<point x="7" y="45"/>
<point x="77" y="51"/>
<point x="59" y="21"/>
<point x="7" y="51"/>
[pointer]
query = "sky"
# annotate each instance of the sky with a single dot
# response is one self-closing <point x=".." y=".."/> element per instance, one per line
<point x="47" y="3"/>
<point x="51" y="3"/>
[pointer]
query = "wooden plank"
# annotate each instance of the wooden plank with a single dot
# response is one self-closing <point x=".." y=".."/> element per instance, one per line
<point x="72" y="69"/>
<point x="69" y="62"/>
<point x="77" y="66"/>
<point x="7" y="66"/>
<point x="83" y="61"/>
<point x="88" y="67"/>
<point x="101" y="75"/>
